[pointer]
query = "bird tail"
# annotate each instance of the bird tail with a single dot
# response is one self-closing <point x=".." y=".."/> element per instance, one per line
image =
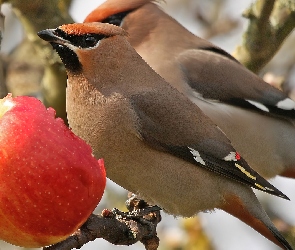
<point x="289" y="172"/>
<point x="249" y="210"/>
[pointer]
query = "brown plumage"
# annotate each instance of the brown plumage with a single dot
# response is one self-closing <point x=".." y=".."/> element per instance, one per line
<point x="257" y="118"/>
<point x="154" y="141"/>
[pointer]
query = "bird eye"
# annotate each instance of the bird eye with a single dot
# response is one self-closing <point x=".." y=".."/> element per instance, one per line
<point x="90" y="41"/>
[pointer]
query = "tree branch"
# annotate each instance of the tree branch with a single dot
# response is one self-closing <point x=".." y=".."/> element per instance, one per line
<point x="118" y="228"/>
<point x="270" y="22"/>
<point x="36" y="16"/>
<point x="3" y="89"/>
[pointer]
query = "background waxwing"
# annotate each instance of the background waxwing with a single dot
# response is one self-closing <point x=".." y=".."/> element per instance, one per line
<point x="258" y="118"/>
<point x="155" y="142"/>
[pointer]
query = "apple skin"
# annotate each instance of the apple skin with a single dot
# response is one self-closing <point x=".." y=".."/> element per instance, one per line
<point x="49" y="180"/>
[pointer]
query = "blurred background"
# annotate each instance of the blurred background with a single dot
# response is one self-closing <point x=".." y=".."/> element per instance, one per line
<point x="26" y="71"/>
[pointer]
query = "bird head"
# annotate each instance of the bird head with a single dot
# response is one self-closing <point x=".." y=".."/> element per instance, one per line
<point x="75" y="42"/>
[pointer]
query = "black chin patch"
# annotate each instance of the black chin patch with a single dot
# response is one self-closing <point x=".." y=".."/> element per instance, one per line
<point x="68" y="57"/>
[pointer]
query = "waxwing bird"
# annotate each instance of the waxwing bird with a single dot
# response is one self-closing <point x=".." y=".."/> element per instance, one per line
<point x="257" y="118"/>
<point x="154" y="140"/>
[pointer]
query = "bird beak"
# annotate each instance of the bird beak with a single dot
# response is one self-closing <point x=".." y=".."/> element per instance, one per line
<point x="49" y="35"/>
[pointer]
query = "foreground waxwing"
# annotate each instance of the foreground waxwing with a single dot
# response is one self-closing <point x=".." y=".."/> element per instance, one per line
<point x="257" y="118"/>
<point x="155" y="142"/>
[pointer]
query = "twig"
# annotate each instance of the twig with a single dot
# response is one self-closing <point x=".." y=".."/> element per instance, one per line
<point x="270" y="22"/>
<point x="118" y="228"/>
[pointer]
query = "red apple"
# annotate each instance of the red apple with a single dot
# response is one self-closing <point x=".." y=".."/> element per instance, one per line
<point x="49" y="180"/>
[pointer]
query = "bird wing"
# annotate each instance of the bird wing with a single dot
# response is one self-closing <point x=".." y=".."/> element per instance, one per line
<point x="216" y="76"/>
<point x="175" y="125"/>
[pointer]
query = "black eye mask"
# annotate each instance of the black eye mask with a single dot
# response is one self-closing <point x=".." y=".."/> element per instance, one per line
<point x="82" y="41"/>
<point x="117" y="18"/>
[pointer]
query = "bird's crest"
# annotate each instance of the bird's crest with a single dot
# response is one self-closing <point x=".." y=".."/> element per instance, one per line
<point x="112" y="7"/>
<point x="92" y="28"/>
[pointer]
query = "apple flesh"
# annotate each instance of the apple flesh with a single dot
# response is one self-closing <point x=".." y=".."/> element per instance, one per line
<point x="49" y="180"/>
